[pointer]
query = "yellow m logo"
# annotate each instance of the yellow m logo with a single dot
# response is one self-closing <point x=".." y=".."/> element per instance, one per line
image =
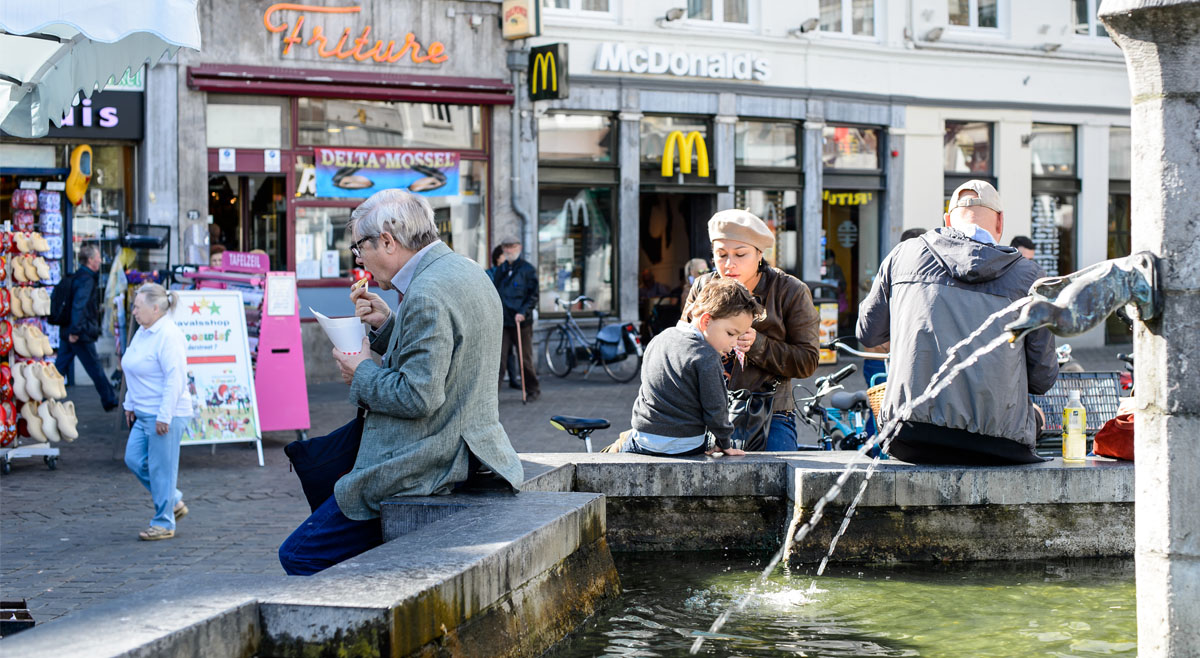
<point x="545" y="62"/>
<point x="677" y="142"/>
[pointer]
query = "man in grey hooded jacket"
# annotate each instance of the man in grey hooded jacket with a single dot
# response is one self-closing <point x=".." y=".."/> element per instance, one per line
<point x="933" y="292"/>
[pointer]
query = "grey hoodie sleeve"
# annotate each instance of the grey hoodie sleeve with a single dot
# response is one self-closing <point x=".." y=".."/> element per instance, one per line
<point x="713" y="398"/>
<point x="874" y="314"/>
<point x="1041" y="363"/>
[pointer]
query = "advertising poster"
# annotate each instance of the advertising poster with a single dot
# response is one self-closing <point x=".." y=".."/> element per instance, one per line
<point x="220" y="378"/>
<point x="827" y="331"/>
<point x="359" y="173"/>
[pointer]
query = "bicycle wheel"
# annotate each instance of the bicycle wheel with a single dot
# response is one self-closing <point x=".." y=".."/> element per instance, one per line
<point x="559" y="356"/>
<point x="623" y="370"/>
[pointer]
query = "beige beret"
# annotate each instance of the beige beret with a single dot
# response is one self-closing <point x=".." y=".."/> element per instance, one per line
<point x="740" y="225"/>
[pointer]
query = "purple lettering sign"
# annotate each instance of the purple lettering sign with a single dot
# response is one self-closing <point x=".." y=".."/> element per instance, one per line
<point x="241" y="261"/>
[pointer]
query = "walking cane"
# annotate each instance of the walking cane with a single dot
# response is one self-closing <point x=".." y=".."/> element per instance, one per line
<point x="521" y="363"/>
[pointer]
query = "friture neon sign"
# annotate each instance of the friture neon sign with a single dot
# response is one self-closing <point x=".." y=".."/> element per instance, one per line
<point x="436" y="53"/>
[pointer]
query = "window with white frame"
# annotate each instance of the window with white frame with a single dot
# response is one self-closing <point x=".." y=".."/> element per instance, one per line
<point x="855" y="17"/>
<point x="577" y="5"/>
<point x="975" y="13"/>
<point x="719" y="11"/>
<point x="1083" y="14"/>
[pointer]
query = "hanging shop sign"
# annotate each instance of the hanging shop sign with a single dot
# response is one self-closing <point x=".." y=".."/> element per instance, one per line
<point x="548" y="72"/>
<point x="521" y="19"/>
<point x="284" y="15"/>
<point x="106" y="115"/>
<point x="656" y="60"/>
<point x="219" y="375"/>
<point x="359" y="173"/>
<point x="677" y="142"/>
<point x="847" y="198"/>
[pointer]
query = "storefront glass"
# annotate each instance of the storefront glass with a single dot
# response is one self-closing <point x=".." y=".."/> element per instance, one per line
<point x="765" y="144"/>
<point x="850" y="147"/>
<point x="1054" y="235"/>
<point x="851" y="236"/>
<point x="576" y="245"/>
<point x="107" y="204"/>
<point x="249" y="122"/>
<point x="654" y="132"/>
<point x="968" y="148"/>
<point x="779" y="210"/>
<point x="382" y="124"/>
<point x="1120" y="207"/>
<point x="575" y="137"/>
<point x="1053" y="150"/>
<point x="1120" y="153"/>
<point x="462" y="219"/>
<point x="322" y="246"/>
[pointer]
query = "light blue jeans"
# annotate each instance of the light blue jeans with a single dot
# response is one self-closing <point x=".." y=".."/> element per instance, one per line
<point x="154" y="460"/>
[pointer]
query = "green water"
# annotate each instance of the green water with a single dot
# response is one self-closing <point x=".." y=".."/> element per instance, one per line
<point x="1062" y="609"/>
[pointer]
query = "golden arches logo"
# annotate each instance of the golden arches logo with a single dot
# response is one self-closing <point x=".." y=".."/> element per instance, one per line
<point x="677" y="142"/>
<point x="544" y="61"/>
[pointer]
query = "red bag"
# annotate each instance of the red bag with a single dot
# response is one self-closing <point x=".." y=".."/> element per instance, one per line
<point x="1115" y="439"/>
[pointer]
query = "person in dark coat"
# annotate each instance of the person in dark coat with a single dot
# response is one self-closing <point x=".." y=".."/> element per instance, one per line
<point x="517" y="282"/>
<point x="79" y="338"/>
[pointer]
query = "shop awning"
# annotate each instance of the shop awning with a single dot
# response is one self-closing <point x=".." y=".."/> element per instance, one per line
<point x="50" y="51"/>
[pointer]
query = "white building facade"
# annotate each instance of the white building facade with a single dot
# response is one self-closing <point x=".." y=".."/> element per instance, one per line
<point x="840" y="122"/>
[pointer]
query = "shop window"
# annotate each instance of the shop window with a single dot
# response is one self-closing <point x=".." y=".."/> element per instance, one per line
<point x="850" y="248"/>
<point x="855" y="17"/>
<point x="383" y="124"/>
<point x="322" y="245"/>
<point x="576" y="245"/>
<point x="778" y="208"/>
<point x="577" y="5"/>
<point x="462" y="219"/>
<point x="850" y="147"/>
<point x="721" y="11"/>
<point x="1120" y="153"/>
<point x="1054" y="234"/>
<point x="974" y="13"/>
<point x="1120" y="207"/>
<point x="654" y="132"/>
<point x="1053" y="150"/>
<point x="250" y="122"/>
<point x="967" y="148"/>
<point x="766" y="144"/>
<point x="575" y="137"/>
<point x="1086" y="24"/>
<point x="107" y="204"/>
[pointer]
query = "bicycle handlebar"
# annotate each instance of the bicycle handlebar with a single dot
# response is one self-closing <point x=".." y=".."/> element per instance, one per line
<point x="577" y="300"/>
<point x="838" y="376"/>
<point x="837" y="344"/>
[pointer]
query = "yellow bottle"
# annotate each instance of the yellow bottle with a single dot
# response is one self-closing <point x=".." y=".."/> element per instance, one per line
<point x="1074" y="446"/>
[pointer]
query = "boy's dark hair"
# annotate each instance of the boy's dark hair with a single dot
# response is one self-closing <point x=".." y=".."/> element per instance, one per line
<point x="724" y="298"/>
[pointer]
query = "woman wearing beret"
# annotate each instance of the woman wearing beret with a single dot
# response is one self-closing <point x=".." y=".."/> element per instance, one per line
<point x="780" y="347"/>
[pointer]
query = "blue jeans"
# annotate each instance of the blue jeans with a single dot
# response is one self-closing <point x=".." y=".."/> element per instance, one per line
<point x="85" y="350"/>
<point x="326" y="538"/>
<point x="154" y="460"/>
<point x="782" y="435"/>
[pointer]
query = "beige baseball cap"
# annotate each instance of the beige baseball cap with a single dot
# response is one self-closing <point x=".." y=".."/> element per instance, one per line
<point x="985" y="195"/>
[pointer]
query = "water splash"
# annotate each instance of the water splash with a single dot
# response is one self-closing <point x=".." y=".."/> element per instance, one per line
<point x="941" y="379"/>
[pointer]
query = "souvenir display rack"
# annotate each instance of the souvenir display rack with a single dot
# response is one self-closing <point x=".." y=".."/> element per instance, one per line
<point x="34" y="412"/>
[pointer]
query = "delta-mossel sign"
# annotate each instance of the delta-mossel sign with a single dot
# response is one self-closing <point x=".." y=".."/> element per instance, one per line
<point x="656" y="60"/>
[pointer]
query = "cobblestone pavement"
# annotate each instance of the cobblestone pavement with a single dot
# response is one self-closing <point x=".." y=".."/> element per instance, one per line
<point x="68" y="537"/>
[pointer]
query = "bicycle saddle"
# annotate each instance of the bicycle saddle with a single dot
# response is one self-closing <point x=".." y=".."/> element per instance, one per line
<point x="843" y="400"/>
<point x="572" y="424"/>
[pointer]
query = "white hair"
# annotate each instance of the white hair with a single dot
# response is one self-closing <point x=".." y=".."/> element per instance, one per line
<point x="408" y="217"/>
<point x="158" y="296"/>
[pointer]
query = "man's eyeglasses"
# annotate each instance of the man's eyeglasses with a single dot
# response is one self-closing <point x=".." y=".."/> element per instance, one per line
<point x="356" y="248"/>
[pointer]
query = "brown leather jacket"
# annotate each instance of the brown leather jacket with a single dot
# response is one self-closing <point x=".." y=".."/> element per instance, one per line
<point x="787" y="345"/>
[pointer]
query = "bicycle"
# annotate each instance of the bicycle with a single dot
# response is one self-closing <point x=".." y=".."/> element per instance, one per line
<point x="842" y="423"/>
<point x="617" y="348"/>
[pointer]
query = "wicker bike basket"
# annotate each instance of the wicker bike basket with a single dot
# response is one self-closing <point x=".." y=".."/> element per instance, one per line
<point x="875" y="399"/>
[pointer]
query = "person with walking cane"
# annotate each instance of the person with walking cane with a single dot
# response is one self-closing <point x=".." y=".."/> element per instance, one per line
<point x="516" y="281"/>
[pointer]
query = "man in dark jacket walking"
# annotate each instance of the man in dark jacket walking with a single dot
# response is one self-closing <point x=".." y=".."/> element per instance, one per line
<point x="78" y="338"/>
<point x="516" y="281"/>
<point x="931" y="293"/>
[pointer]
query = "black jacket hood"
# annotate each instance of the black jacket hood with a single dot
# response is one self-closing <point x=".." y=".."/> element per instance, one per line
<point x="967" y="259"/>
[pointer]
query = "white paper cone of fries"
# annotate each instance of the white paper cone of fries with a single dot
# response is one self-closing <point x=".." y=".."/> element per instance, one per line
<point x="345" y="333"/>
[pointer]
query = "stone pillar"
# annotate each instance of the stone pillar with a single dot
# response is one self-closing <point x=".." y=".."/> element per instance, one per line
<point x="723" y="147"/>
<point x="1161" y="41"/>
<point x="629" y="205"/>
<point x="811" y="219"/>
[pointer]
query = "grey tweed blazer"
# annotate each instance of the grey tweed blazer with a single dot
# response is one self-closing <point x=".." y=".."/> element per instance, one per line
<point x="434" y="398"/>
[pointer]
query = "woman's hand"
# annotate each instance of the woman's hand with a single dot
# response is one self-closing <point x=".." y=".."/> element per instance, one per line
<point x="369" y="307"/>
<point x="734" y="452"/>
<point x="348" y="363"/>
<point x="746" y="341"/>
<point x="130" y="418"/>
<point x="161" y="428"/>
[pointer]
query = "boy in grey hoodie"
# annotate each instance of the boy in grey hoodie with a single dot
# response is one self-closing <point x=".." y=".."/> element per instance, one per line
<point x="682" y="399"/>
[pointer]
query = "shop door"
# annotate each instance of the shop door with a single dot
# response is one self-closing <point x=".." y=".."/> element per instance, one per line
<point x="673" y="230"/>
<point x="851" y="259"/>
<point x="249" y="212"/>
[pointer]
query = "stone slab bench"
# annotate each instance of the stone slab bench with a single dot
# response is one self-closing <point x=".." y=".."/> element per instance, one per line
<point x="510" y="573"/>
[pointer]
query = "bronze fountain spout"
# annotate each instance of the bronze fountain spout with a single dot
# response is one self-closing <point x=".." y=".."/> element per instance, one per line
<point x="1072" y="304"/>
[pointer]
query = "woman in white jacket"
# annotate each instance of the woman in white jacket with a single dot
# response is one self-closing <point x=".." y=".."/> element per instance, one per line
<point x="157" y="406"/>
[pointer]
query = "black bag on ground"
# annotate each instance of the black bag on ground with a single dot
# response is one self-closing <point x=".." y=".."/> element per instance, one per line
<point x="319" y="462"/>
<point x="61" y="301"/>
<point x="750" y="414"/>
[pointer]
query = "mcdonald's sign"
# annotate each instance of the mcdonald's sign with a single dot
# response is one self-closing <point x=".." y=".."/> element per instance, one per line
<point x="677" y="142"/>
<point x="548" y="72"/>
